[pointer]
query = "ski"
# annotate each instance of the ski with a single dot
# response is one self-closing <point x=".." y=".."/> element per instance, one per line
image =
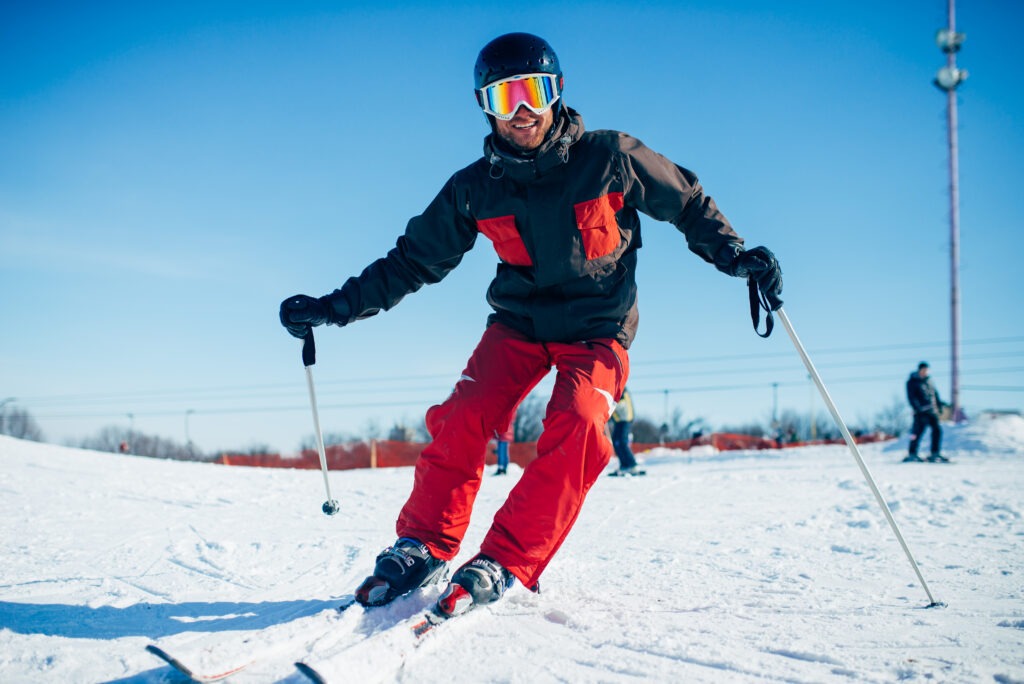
<point x="220" y="659"/>
<point x="622" y="473"/>
<point x="427" y="622"/>
<point x="376" y="653"/>
<point x="189" y="672"/>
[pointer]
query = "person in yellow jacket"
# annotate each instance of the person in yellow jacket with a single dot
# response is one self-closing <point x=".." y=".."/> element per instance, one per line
<point x="622" y="427"/>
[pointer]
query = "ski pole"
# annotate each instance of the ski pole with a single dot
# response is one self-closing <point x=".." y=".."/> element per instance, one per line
<point x="855" y="451"/>
<point x="330" y="506"/>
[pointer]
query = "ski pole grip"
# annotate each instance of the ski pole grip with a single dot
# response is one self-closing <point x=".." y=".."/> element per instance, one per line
<point x="308" y="349"/>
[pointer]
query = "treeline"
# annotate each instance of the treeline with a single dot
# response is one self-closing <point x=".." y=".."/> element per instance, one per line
<point x="789" y="426"/>
<point x="19" y="423"/>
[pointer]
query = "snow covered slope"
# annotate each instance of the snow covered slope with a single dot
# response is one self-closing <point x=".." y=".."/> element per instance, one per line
<point x="732" y="567"/>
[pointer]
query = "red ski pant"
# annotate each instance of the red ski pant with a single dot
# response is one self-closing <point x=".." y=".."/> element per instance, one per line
<point x="572" y="451"/>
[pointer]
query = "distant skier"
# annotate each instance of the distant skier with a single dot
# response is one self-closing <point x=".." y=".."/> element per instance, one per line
<point x="924" y="400"/>
<point x="622" y="427"/>
<point x="561" y="207"/>
<point x="503" y="440"/>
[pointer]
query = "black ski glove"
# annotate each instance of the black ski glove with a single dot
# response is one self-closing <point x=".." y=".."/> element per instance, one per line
<point x="760" y="264"/>
<point x="301" y="313"/>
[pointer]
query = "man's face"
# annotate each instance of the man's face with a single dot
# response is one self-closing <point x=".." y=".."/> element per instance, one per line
<point x="525" y="130"/>
<point x="923" y="372"/>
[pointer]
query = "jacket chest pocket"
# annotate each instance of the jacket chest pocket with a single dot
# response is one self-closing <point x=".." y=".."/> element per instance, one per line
<point x="596" y="220"/>
<point x="508" y="243"/>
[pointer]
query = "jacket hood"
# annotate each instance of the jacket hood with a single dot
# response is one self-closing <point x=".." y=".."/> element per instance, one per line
<point x="553" y="152"/>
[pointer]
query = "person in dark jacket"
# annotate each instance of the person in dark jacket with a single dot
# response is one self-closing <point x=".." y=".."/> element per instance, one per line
<point x="924" y="400"/>
<point x="561" y="207"/>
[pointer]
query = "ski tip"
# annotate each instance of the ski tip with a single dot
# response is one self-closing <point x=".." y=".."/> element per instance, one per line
<point x="310" y="673"/>
<point x="167" y="658"/>
<point x="189" y="672"/>
<point x="427" y="622"/>
<point x="157" y="651"/>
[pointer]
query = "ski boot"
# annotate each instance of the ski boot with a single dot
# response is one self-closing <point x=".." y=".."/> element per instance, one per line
<point x="400" y="568"/>
<point x="913" y="458"/>
<point x="937" y="458"/>
<point x="480" y="581"/>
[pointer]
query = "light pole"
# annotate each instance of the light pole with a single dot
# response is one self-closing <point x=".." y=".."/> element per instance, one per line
<point x="814" y="424"/>
<point x="663" y="432"/>
<point x="775" y="404"/>
<point x="947" y="80"/>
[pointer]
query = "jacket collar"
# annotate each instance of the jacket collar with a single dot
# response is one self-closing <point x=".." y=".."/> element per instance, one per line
<point x="553" y="152"/>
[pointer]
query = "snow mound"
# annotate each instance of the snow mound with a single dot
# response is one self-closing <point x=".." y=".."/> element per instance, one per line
<point x="991" y="434"/>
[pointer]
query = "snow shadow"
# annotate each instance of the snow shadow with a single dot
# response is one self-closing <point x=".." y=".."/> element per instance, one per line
<point x="153" y="620"/>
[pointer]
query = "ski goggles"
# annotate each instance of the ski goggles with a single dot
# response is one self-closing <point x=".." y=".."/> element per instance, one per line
<point x="537" y="92"/>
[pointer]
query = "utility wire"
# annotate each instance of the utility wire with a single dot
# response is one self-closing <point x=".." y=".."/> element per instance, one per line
<point x="435" y="385"/>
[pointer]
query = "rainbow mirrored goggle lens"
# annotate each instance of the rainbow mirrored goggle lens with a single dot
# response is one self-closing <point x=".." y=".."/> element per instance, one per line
<point x="536" y="91"/>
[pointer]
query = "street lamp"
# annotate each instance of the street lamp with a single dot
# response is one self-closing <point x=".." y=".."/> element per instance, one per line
<point x="775" y="404"/>
<point x="947" y="79"/>
<point x="188" y="440"/>
<point x="663" y="431"/>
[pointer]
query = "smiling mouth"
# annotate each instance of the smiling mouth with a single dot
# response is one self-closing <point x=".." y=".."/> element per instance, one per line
<point x="524" y="126"/>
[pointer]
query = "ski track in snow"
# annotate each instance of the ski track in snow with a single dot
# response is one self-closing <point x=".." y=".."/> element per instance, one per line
<point x="734" y="567"/>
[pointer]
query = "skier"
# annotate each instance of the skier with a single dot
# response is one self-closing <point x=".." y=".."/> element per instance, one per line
<point x="622" y="426"/>
<point x="924" y="400"/>
<point x="503" y="440"/>
<point x="561" y="207"/>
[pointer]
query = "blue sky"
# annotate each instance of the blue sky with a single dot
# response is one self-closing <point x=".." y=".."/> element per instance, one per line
<point x="170" y="174"/>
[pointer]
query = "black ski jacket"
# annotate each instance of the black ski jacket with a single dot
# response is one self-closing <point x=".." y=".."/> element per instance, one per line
<point x="922" y="395"/>
<point x="565" y="226"/>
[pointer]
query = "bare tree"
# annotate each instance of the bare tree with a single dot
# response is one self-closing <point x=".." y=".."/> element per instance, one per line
<point x="308" y="442"/>
<point x="258" y="449"/>
<point x="529" y="421"/>
<point x="893" y="419"/>
<point x="118" y="439"/>
<point x="19" y="423"/>
<point x="646" y="431"/>
<point x="679" y="428"/>
<point x="400" y="432"/>
<point x="752" y="429"/>
<point x="794" y="426"/>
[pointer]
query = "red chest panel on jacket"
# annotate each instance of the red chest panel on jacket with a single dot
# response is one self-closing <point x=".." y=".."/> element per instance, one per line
<point x="508" y="243"/>
<point x="596" y="220"/>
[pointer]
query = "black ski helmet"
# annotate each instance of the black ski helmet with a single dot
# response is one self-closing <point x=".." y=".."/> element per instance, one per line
<point x="513" y="54"/>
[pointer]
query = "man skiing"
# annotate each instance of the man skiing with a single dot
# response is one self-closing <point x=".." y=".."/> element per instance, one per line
<point x="561" y="207"/>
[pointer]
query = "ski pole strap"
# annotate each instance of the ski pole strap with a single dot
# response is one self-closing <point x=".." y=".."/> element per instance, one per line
<point x="757" y="302"/>
<point x="308" y="349"/>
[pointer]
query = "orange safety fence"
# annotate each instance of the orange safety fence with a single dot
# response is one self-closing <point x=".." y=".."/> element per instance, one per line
<point x="386" y="453"/>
